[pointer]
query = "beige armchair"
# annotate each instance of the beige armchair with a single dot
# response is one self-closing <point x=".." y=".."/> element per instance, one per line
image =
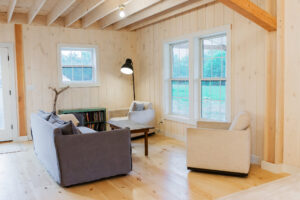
<point x="145" y="116"/>
<point x="220" y="147"/>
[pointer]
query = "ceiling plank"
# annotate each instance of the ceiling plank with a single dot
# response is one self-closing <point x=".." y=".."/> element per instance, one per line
<point x="186" y="7"/>
<point x="153" y="10"/>
<point x="253" y="13"/>
<point x="131" y="8"/>
<point x="58" y="10"/>
<point x="101" y="11"/>
<point x="11" y="8"/>
<point x="36" y="7"/>
<point x="81" y="10"/>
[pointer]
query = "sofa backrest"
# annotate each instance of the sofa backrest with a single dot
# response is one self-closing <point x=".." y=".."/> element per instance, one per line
<point x="43" y="134"/>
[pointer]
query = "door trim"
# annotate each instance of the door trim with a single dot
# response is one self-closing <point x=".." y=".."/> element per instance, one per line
<point x="14" y="104"/>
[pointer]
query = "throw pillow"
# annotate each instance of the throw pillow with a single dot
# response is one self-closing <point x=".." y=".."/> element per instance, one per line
<point x="241" y="121"/>
<point x="69" y="117"/>
<point x="44" y="115"/>
<point x="138" y="106"/>
<point x="54" y="119"/>
<point x="69" y="129"/>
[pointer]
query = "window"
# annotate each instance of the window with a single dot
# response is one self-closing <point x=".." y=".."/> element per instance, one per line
<point x="213" y="78"/>
<point x="180" y="78"/>
<point x="196" y="77"/>
<point x="78" y="66"/>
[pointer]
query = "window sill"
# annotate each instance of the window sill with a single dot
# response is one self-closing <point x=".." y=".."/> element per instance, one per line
<point x="181" y="119"/>
<point x="79" y="85"/>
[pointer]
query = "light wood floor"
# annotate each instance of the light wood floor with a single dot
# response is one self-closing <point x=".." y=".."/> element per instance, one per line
<point x="163" y="175"/>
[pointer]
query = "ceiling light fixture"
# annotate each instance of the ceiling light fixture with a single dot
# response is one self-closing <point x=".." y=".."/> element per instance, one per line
<point x="122" y="12"/>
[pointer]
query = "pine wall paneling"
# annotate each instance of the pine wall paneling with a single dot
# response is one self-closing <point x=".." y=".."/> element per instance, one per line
<point x="248" y="65"/>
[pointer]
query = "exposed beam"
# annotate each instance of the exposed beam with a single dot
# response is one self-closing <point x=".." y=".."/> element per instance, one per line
<point x="81" y="10"/>
<point x="34" y="10"/>
<point x="131" y="8"/>
<point x="186" y="7"/>
<point x="153" y="10"/>
<point x="60" y="7"/>
<point x="101" y="11"/>
<point x="253" y="13"/>
<point x="11" y="8"/>
<point x="20" y="79"/>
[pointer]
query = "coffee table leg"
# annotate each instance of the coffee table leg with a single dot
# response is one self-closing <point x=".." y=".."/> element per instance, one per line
<point x="146" y="143"/>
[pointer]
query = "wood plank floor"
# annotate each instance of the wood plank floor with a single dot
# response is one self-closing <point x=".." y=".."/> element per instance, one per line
<point x="162" y="175"/>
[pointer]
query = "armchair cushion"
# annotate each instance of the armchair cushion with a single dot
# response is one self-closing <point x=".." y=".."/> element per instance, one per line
<point x="240" y="122"/>
<point x="69" y="117"/>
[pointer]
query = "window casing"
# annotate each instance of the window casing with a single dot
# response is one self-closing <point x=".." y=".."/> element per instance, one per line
<point x="78" y="65"/>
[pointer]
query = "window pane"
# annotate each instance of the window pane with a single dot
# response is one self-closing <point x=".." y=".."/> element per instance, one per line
<point x="67" y="74"/>
<point x="87" y="73"/>
<point x="180" y="97"/>
<point x="180" y="60"/>
<point x="77" y="73"/>
<point x="213" y="100"/>
<point x="66" y="57"/>
<point x="214" y="57"/>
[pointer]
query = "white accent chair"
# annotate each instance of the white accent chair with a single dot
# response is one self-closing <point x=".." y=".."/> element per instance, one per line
<point x="145" y="116"/>
<point x="220" y="147"/>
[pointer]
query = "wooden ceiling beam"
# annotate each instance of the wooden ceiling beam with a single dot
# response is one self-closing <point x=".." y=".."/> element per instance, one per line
<point x="81" y="10"/>
<point x="59" y="9"/>
<point x="35" y="8"/>
<point x="186" y="7"/>
<point x="253" y="13"/>
<point x="11" y="8"/>
<point x="101" y="11"/>
<point x="153" y="10"/>
<point x="131" y="8"/>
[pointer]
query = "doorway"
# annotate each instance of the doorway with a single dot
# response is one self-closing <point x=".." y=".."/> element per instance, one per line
<point x="8" y="106"/>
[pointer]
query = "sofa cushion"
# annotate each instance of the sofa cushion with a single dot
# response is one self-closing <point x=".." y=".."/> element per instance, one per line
<point x="85" y="130"/>
<point x="69" y="117"/>
<point x="44" y="115"/>
<point x="138" y="107"/>
<point x="241" y="121"/>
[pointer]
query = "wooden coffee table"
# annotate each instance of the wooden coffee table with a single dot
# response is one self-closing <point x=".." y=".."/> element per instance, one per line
<point x="134" y="128"/>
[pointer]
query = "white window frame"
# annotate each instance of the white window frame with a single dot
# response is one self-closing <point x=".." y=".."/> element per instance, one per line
<point x="96" y="71"/>
<point x="195" y="66"/>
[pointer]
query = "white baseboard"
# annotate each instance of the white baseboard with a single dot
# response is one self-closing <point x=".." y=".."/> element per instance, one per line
<point x="21" y="139"/>
<point x="279" y="168"/>
<point x="255" y="159"/>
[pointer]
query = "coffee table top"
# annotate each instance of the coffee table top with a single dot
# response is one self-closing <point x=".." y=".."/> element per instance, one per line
<point x="133" y="126"/>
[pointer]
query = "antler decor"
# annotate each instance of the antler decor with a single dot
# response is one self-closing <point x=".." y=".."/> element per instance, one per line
<point x="57" y="93"/>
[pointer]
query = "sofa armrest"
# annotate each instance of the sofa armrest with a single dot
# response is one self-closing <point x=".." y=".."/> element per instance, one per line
<point x="213" y="125"/>
<point x="142" y="117"/>
<point x="88" y="157"/>
<point x="117" y="113"/>
<point x="221" y="150"/>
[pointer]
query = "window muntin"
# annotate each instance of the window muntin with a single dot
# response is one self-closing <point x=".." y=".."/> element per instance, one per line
<point x="78" y="65"/>
<point x="180" y="78"/>
<point x="213" y="78"/>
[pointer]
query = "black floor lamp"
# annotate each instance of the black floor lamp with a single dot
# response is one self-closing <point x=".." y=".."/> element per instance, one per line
<point x="127" y="68"/>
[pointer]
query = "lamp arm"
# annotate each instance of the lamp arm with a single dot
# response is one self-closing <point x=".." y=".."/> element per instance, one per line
<point x="133" y="86"/>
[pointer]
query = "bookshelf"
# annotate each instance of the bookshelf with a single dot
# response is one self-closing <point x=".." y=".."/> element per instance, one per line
<point x="94" y="118"/>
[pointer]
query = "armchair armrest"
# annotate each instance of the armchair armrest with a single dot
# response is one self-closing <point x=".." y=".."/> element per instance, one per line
<point x="213" y="125"/>
<point x="221" y="150"/>
<point x="117" y="113"/>
<point x="143" y="117"/>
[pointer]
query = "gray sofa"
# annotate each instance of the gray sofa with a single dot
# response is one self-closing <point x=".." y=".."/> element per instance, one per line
<point x="80" y="158"/>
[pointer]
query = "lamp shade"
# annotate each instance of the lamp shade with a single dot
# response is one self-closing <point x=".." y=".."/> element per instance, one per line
<point x="127" y="68"/>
